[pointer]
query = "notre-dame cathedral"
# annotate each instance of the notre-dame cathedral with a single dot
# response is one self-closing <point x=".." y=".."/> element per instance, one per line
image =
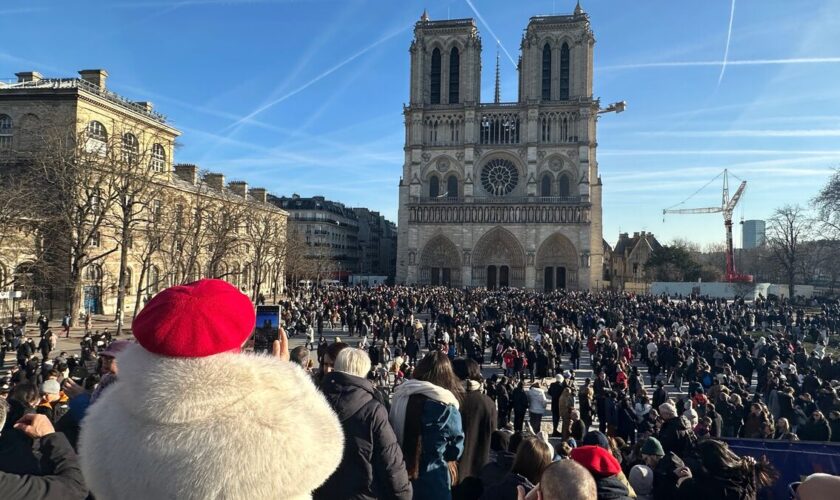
<point x="503" y="193"/>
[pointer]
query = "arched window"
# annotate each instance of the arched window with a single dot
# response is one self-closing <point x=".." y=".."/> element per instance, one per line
<point x="546" y="73"/>
<point x="5" y="131"/>
<point x="435" y="74"/>
<point x="153" y="281"/>
<point x="97" y="138"/>
<point x="434" y="187"/>
<point x="158" y="158"/>
<point x="130" y="148"/>
<point x="564" y="186"/>
<point x="454" y="75"/>
<point x="564" y="71"/>
<point x="93" y="272"/>
<point x="128" y="279"/>
<point x="452" y="186"/>
<point x="545" y="185"/>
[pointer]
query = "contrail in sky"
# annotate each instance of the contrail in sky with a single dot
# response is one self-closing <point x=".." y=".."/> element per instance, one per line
<point x="480" y="18"/>
<point x="728" y="38"/>
<point x="315" y="80"/>
<point x="742" y="62"/>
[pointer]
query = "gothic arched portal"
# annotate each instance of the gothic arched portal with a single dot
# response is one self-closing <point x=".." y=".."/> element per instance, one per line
<point x="498" y="260"/>
<point x="557" y="264"/>
<point x="440" y="263"/>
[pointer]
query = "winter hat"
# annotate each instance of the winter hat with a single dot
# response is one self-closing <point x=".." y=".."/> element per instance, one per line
<point x="596" y="438"/>
<point x="50" y="387"/>
<point x="668" y="410"/>
<point x="641" y="479"/>
<point x="598" y="461"/>
<point x="200" y="319"/>
<point x="652" y="446"/>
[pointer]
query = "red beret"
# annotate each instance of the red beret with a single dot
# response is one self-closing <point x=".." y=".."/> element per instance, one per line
<point x="598" y="461"/>
<point x="199" y="319"/>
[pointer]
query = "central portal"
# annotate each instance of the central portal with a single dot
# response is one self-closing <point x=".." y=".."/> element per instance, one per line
<point x="498" y="277"/>
<point x="498" y="260"/>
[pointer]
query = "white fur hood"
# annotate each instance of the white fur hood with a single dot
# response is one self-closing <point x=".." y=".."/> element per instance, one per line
<point x="228" y="426"/>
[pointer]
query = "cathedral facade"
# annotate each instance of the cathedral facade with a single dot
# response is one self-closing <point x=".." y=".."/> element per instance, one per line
<point x="501" y="194"/>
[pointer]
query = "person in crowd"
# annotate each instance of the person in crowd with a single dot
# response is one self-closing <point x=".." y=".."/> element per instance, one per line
<point x="478" y="420"/>
<point x="675" y="435"/>
<point x="532" y="457"/>
<point x="60" y="477"/>
<point x="519" y="402"/>
<point x="817" y="486"/>
<point x="816" y="428"/>
<point x="564" y="479"/>
<point x="554" y="391"/>
<point x="197" y="421"/>
<point x="605" y="469"/>
<point x="372" y="465"/>
<point x="501" y="459"/>
<point x="300" y="356"/>
<point x="53" y="401"/>
<point x="577" y="429"/>
<point x="537" y="403"/>
<point x="427" y="422"/>
<point x="723" y="474"/>
<point x="641" y="479"/>
<point x="668" y="469"/>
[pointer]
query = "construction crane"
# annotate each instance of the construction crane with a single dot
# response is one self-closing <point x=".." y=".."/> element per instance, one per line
<point x="727" y="207"/>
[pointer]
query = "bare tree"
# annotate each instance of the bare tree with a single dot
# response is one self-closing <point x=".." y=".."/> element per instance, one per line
<point x="827" y="203"/>
<point x="263" y="234"/>
<point x="74" y="169"/>
<point x="224" y="221"/>
<point x="788" y="229"/>
<point x="138" y="184"/>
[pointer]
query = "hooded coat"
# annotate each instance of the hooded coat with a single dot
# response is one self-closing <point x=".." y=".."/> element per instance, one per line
<point x="372" y="466"/>
<point x="224" y="426"/>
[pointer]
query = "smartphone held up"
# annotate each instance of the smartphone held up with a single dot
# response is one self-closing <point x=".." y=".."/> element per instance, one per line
<point x="266" y="330"/>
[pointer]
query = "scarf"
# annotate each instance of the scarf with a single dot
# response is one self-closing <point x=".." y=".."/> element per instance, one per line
<point x="409" y="388"/>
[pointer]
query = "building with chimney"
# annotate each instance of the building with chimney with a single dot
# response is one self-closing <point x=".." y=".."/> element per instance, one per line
<point x="501" y="194"/>
<point x="120" y="220"/>
<point x="628" y="259"/>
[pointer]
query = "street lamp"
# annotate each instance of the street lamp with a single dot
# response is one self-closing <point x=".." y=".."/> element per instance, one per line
<point x="616" y="107"/>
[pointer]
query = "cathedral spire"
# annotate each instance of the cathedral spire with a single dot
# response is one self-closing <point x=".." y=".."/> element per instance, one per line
<point x="497" y="95"/>
<point x="578" y="9"/>
<point x="425" y="16"/>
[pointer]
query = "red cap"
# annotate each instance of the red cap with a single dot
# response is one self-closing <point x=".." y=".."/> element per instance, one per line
<point x="199" y="319"/>
<point x="598" y="461"/>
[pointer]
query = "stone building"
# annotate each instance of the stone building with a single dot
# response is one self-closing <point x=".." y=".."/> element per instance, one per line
<point x="501" y="194"/>
<point x="627" y="263"/>
<point x="330" y="230"/>
<point x="80" y="116"/>
<point x="378" y="244"/>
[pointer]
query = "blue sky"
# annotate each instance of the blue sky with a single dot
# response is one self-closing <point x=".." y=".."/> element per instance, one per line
<point x="306" y="96"/>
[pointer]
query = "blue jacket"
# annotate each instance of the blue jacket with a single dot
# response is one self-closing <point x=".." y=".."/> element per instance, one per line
<point x="442" y="441"/>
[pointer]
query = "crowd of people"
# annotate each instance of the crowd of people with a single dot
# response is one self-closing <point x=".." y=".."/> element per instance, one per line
<point x="434" y="392"/>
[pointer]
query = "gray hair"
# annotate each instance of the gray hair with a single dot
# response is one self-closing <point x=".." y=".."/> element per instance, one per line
<point x="353" y="361"/>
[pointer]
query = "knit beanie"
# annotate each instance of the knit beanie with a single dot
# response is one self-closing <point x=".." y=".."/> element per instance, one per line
<point x="652" y="446"/>
<point x="596" y="438"/>
<point x="641" y="479"/>
<point x="667" y="410"/>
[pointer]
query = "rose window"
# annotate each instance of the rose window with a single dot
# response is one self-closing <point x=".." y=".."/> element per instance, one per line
<point x="499" y="177"/>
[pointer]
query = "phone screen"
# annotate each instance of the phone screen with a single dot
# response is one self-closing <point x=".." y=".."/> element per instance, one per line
<point x="268" y="323"/>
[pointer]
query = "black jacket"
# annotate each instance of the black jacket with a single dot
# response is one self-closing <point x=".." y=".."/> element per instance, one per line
<point x="62" y="479"/>
<point x="676" y="436"/>
<point x="506" y="488"/>
<point x="16" y="454"/>
<point x="611" y="488"/>
<point x="372" y="465"/>
<point x="478" y="420"/>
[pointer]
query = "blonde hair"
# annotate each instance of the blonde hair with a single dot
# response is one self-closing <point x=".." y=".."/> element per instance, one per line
<point x="353" y="361"/>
